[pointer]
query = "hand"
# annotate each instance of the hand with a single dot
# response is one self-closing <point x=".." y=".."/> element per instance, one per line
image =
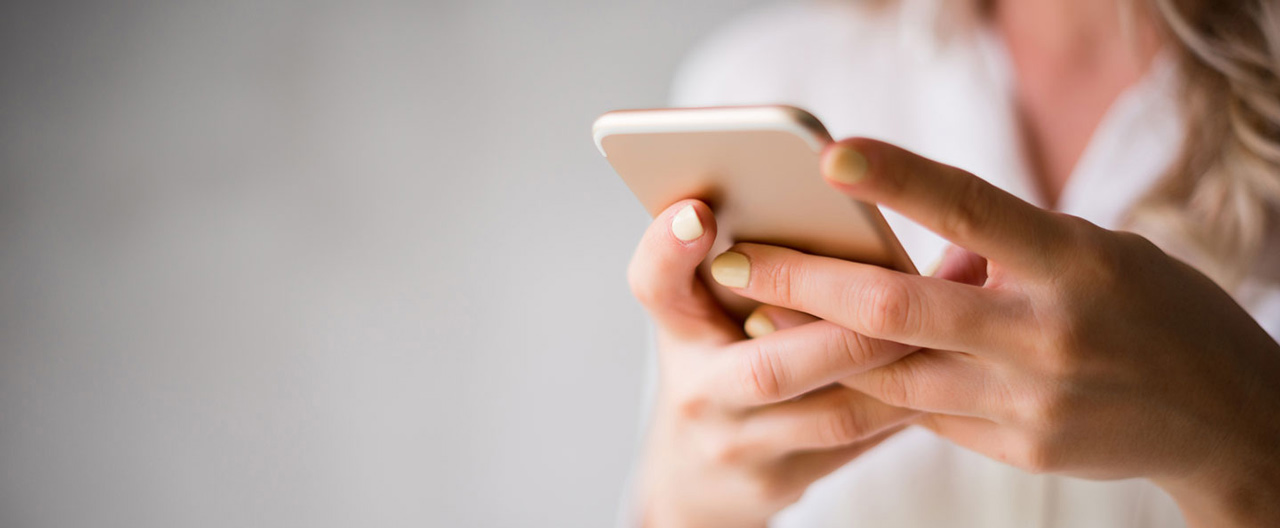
<point x="1080" y="351"/>
<point x="742" y="427"/>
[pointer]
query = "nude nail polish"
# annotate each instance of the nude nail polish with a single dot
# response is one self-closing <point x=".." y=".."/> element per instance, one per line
<point x="731" y="269"/>
<point x="845" y="165"/>
<point x="685" y="225"/>
<point x="758" y="325"/>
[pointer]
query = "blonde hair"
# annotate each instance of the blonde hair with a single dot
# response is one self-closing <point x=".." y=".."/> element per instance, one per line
<point x="1222" y="194"/>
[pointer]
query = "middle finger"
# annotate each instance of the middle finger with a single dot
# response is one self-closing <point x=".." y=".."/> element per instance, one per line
<point x="790" y="362"/>
<point x="876" y="302"/>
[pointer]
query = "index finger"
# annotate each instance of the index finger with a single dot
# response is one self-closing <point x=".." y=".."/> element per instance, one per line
<point x="948" y="201"/>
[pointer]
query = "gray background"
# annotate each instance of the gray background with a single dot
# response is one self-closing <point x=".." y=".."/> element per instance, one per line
<point x="315" y="264"/>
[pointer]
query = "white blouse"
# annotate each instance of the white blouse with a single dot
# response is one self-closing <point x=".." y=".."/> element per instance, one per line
<point x="890" y="74"/>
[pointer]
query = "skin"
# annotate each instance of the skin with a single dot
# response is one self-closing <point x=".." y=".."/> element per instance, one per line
<point x="1043" y="341"/>
<point x="1071" y="60"/>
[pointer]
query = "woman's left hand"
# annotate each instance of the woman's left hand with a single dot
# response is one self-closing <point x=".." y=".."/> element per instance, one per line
<point x="1077" y="350"/>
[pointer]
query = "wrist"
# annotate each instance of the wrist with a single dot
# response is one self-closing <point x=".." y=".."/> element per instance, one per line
<point x="1236" y="481"/>
<point x="1245" y="497"/>
<point x="1238" y="486"/>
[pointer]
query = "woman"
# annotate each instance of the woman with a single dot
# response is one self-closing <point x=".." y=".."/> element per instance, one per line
<point x="1061" y="372"/>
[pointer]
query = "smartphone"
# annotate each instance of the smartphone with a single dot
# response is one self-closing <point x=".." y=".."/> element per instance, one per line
<point x="758" y="169"/>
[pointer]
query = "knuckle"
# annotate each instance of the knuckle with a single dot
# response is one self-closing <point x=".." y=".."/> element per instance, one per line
<point x="773" y="491"/>
<point x="967" y="213"/>
<point x="1038" y="455"/>
<point x="692" y="407"/>
<point x="892" y="387"/>
<point x="761" y="376"/>
<point x="1104" y="270"/>
<point x="1128" y="253"/>
<point x="1098" y="255"/>
<point x="858" y="349"/>
<point x="1138" y="244"/>
<point x="1068" y="232"/>
<point x="784" y="279"/>
<point x="843" y="425"/>
<point x="726" y="453"/>
<point x="714" y="446"/>
<point x="887" y="307"/>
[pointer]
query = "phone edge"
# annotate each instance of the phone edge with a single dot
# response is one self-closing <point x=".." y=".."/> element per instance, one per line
<point x="782" y="118"/>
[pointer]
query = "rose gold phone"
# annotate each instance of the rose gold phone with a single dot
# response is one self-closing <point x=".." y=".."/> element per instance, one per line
<point x="758" y="169"/>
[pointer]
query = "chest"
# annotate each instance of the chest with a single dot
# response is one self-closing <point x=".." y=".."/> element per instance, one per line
<point x="1058" y="109"/>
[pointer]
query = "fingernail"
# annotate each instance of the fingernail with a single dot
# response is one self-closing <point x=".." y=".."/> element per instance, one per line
<point x="845" y="165"/>
<point x="731" y="269"/>
<point x="758" y="324"/>
<point x="685" y="225"/>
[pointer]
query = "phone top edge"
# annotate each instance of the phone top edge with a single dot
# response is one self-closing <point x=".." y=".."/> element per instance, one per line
<point x="782" y="118"/>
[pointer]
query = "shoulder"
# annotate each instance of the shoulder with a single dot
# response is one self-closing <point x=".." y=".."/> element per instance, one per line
<point x="760" y="54"/>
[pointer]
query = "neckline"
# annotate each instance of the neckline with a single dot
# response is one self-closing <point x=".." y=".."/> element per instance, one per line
<point x="1130" y="103"/>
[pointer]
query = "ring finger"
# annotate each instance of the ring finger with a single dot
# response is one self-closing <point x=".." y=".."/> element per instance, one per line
<point x="828" y="418"/>
<point x="934" y="381"/>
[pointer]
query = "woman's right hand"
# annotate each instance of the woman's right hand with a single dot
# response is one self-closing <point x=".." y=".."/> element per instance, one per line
<point x="741" y="427"/>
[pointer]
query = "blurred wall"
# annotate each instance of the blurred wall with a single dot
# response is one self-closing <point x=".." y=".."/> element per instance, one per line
<point x="297" y="263"/>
